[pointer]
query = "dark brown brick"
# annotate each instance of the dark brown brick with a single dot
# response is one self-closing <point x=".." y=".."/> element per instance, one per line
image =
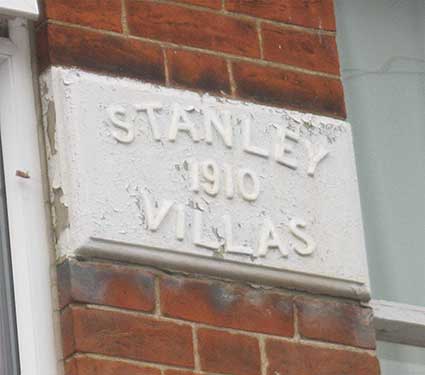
<point x="306" y="50"/>
<point x="288" y="358"/>
<point x="177" y="24"/>
<point x="214" y="4"/>
<point x="338" y="322"/>
<point x="198" y="71"/>
<point x="61" y="45"/>
<point x="223" y="352"/>
<point x="283" y="88"/>
<point x="317" y="14"/>
<point x="132" y="336"/>
<point x="42" y="48"/>
<point x="67" y="332"/>
<point x="106" y="284"/>
<point x="99" y="14"/>
<point x="227" y="306"/>
<point x="84" y="365"/>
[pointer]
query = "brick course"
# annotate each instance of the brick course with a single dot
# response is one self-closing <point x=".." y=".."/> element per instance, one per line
<point x="311" y="51"/>
<point x="120" y="334"/>
<point x="291" y="42"/>
<point x="190" y="27"/>
<point x="228" y="353"/>
<point x="204" y="326"/>
<point x="198" y="71"/>
<point x="290" y="89"/>
<point x="94" y="51"/>
<point x="227" y="306"/>
<point x="214" y="4"/>
<point x="343" y="323"/>
<point x="86" y="365"/>
<point x="106" y="284"/>
<point x="99" y="14"/>
<point x="317" y="14"/>
<point x="300" y="359"/>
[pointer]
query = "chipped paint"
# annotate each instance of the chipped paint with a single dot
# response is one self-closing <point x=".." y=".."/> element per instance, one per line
<point x="51" y="126"/>
<point x="60" y="212"/>
<point x="121" y="174"/>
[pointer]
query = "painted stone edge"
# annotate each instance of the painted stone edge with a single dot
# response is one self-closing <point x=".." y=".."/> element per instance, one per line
<point x="81" y="243"/>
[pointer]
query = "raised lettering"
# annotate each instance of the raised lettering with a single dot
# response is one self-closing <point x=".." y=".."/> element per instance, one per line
<point x="269" y="239"/>
<point x="283" y="148"/>
<point x="197" y="233"/>
<point x="155" y="219"/>
<point x="247" y="146"/>
<point x="249" y="194"/>
<point x="315" y="155"/>
<point x="295" y="227"/>
<point x="224" y="128"/>
<point x="116" y="113"/>
<point x="230" y="247"/>
<point x="150" y="109"/>
<point x="180" y="223"/>
<point x="180" y="122"/>
<point x="211" y="174"/>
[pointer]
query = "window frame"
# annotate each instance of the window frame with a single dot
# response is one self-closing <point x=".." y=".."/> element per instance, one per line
<point x="399" y="323"/>
<point x="29" y="236"/>
<point x="22" y="8"/>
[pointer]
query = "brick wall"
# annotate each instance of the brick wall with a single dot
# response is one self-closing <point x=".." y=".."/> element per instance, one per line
<point x="278" y="52"/>
<point x="127" y="320"/>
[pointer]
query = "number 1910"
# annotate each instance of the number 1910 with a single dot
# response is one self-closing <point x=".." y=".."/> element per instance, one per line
<point x="210" y="178"/>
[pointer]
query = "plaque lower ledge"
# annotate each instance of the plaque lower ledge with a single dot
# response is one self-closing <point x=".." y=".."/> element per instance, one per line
<point x="171" y="261"/>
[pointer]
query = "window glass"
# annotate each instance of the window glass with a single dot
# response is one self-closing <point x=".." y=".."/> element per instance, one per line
<point x="381" y="45"/>
<point x="396" y="359"/>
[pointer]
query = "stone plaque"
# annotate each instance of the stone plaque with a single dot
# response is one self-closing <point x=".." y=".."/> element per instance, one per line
<point x="170" y="178"/>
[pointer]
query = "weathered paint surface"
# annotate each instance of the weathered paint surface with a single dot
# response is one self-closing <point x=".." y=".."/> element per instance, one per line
<point x="175" y="179"/>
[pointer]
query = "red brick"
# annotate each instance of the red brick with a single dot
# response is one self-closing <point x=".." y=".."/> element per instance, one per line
<point x="100" y="14"/>
<point x="131" y="336"/>
<point x="198" y="71"/>
<point x="306" y="50"/>
<point x="83" y="365"/>
<point x="61" y="45"/>
<point x="67" y="332"/>
<point x="177" y="24"/>
<point x="70" y="367"/>
<point x="286" y="358"/>
<point x="284" y="88"/>
<point x="338" y="322"/>
<point x="227" y="306"/>
<point x="214" y="4"/>
<point x="317" y="14"/>
<point x="106" y="284"/>
<point x="180" y="372"/>
<point x="228" y="353"/>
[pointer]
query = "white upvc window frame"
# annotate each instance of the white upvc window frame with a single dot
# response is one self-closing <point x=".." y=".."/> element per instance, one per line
<point x="22" y="8"/>
<point x="399" y="323"/>
<point x="27" y="213"/>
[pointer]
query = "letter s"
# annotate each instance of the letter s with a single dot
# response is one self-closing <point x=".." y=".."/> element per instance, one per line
<point x="128" y="135"/>
<point x="294" y="227"/>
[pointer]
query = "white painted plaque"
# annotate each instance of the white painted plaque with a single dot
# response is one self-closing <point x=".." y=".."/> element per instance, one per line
<point x="174" y="179"/>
